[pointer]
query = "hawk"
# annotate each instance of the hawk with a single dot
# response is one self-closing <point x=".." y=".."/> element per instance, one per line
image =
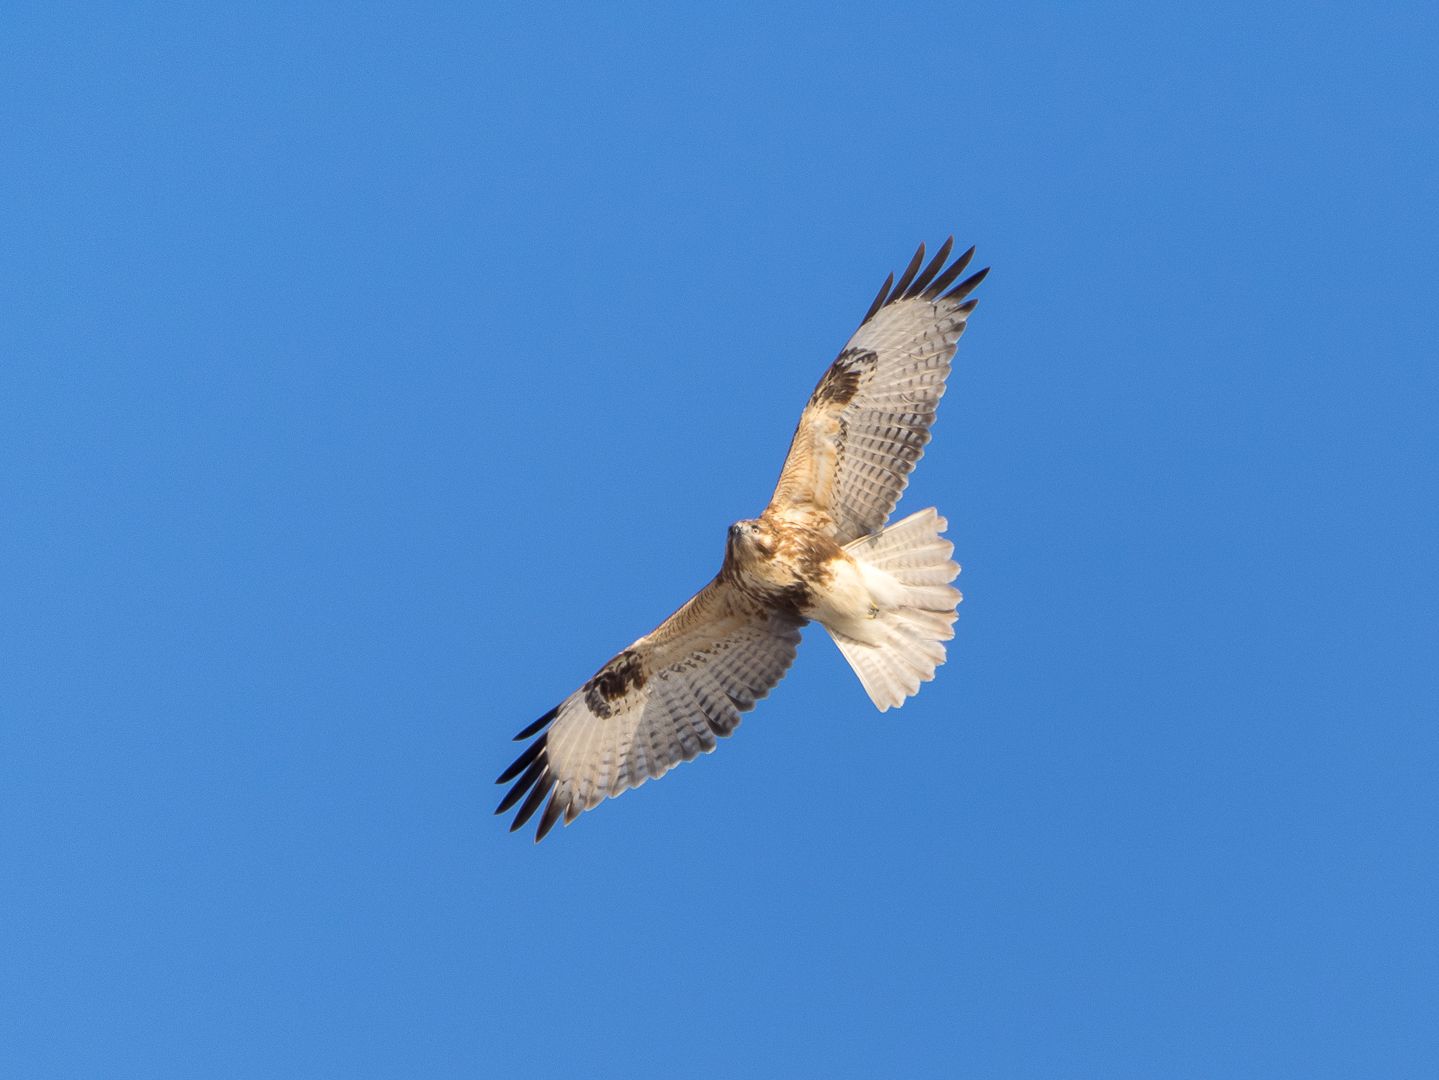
<point x="821" y="551"/>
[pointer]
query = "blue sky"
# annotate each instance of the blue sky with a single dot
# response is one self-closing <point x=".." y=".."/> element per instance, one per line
<point x="372" y="373"/>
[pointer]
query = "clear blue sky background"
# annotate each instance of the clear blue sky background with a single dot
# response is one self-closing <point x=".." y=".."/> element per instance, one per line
<point x="373" y="372"/>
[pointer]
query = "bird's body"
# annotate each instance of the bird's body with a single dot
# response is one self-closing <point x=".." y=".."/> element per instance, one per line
<point x="803" y="571"/>
<point x="820" y="552"/>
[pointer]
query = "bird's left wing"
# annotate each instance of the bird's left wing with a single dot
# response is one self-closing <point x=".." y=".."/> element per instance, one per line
<point x="663" y="700"/>
<point x="867" y="422"/>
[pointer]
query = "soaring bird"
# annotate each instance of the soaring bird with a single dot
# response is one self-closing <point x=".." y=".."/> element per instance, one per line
<point x="820" y="551"/>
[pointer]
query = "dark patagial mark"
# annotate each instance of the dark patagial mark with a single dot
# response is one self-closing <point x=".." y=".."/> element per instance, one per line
<point x="624" y="673"/>
<point x="837" y="385"/>
<point x="840" y="383"/>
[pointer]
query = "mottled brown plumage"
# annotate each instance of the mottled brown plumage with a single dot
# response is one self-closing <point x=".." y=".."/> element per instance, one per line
<point x="820" y="551"/>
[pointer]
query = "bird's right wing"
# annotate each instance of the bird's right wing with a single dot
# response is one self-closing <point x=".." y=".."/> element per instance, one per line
<point x="663" y="700"/>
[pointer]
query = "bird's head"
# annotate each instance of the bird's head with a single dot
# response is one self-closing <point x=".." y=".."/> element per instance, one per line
<point x="753" y="538"/>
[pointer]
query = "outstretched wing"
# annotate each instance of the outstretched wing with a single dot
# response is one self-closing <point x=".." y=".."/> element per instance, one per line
<point x="868" y="420"/>
<point x="663" y="700"/>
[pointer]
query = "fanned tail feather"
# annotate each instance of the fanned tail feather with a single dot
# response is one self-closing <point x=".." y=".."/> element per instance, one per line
<point x="915" y="555"/>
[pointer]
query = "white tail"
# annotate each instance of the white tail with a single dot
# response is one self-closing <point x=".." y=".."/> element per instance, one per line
<point x="914" y="555"/>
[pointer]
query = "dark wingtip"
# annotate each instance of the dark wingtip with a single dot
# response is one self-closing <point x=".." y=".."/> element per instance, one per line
<point x="878" y="300"/>
<point x="929" y="271"/>
<point x="522" y="785"/>
<point x="541" y="722"/>
<point x="532" y="804"/>
<point x="946" y="279"/>
<point x="549" y="817"/>
<point x="965" y="287"/>
<point x="523" y="761"/>
<point x="908" y="275"/>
